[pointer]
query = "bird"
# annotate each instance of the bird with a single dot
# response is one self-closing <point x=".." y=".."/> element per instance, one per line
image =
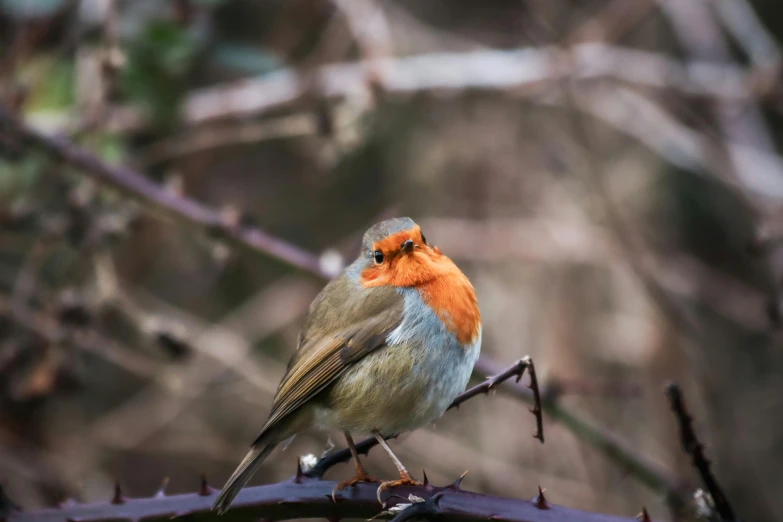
<point x="384" y="349"/>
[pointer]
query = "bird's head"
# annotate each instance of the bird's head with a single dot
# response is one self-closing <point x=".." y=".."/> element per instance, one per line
<point x="396" y="253"/>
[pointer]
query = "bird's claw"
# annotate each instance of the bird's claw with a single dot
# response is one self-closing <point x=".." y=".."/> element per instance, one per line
<point x="404" y="480"/>
<point x="360" y="477"/>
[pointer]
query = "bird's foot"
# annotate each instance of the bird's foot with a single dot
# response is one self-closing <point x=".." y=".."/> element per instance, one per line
<point x="405" y="480"/>
<point x="359" y="477"/>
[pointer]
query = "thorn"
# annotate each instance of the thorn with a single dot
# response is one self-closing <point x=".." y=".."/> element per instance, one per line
<point x="162" y="489"/>
<point x="644" y="516"/>
<point x="456" y="483"/>
<point x="205" y="489"/>
<point x="426" y="479"/>
<point x="299" y="473"/>
<point x="118" y="498"/>
<point x="540" y="501"/>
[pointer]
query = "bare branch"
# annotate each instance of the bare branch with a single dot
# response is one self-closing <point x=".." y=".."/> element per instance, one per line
<point x="644" y="470"/>
<point x="363" y="447"/>
<point x="695" y="449"/>
<point x="303" y="497"/>
<point x="741" y="19"/>
<point x="141" y="188"/>
<point x="307" y="495"/>
<point x="740" y="121"/>
<point x="490" y="69"/>
<point x="536" y="401"/>
<point x="516" y="370"/>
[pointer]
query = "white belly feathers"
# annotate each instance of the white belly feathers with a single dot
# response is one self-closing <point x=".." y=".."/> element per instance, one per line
<point x="430" y="369"/>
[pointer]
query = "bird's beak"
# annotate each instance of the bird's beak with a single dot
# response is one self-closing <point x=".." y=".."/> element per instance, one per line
<point x="407" y="246"/>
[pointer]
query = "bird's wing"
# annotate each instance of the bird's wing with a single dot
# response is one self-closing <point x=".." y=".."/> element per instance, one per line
<point x="345" y="323"/>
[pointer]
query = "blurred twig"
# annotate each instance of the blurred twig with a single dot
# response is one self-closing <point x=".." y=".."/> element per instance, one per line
<point x="740" y="119"/>
<point x="158" y="198"/>
<point x="614" y="20"/>
<point x="740" y="18"/>
<point x="756" y="166"/>
<point x="531" y="67"/>
<point x="47" y="328"/>
<point x="695" y="449"/>
<point x="222" y="135"/>
<point x="369" y="27"/>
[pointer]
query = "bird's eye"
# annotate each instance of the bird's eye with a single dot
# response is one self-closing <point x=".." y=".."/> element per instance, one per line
<point x="378" y="255"/>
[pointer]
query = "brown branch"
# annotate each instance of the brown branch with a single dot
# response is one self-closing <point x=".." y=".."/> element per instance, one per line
<point x="694" y="448"/>
<point x="740" y="121"/>
<point x="307" y="495"/>
<point x="519" y="69"/>
<point x="303" y="497"/>
<point x="539" y="434"/>
<point x="150" y="193"/>
<point x="616" y="450"/>
<point x="363" y="447"/>
<point x="516" y="370"/>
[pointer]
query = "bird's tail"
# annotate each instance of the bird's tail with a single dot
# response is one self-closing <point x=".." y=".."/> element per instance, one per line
<point x="244" y="471"/>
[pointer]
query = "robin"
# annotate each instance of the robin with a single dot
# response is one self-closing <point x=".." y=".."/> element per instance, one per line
<point x="386" y="347"/>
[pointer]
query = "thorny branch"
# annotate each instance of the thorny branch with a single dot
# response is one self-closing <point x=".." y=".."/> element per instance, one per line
<point x="695" y="449"/>
<point x="192" y="212"/>
<point x="308" y="495"/>
<point x="615" y="449"/>
<point x="303" y="497"/>
<point x="516" y="370"/>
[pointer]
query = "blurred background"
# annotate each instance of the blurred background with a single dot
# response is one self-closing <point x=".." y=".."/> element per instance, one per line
<point x="606" y="172"/>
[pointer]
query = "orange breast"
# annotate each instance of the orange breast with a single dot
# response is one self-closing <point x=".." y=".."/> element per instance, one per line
<point x="452" y="298"/>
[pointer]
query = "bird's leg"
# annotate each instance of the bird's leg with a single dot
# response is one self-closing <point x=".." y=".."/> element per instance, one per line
<point x="405" y="477"/>
<point x="361" y="473"/>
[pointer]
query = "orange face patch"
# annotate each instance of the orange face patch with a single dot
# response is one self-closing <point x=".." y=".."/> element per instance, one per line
<point x="442" y="284"/>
